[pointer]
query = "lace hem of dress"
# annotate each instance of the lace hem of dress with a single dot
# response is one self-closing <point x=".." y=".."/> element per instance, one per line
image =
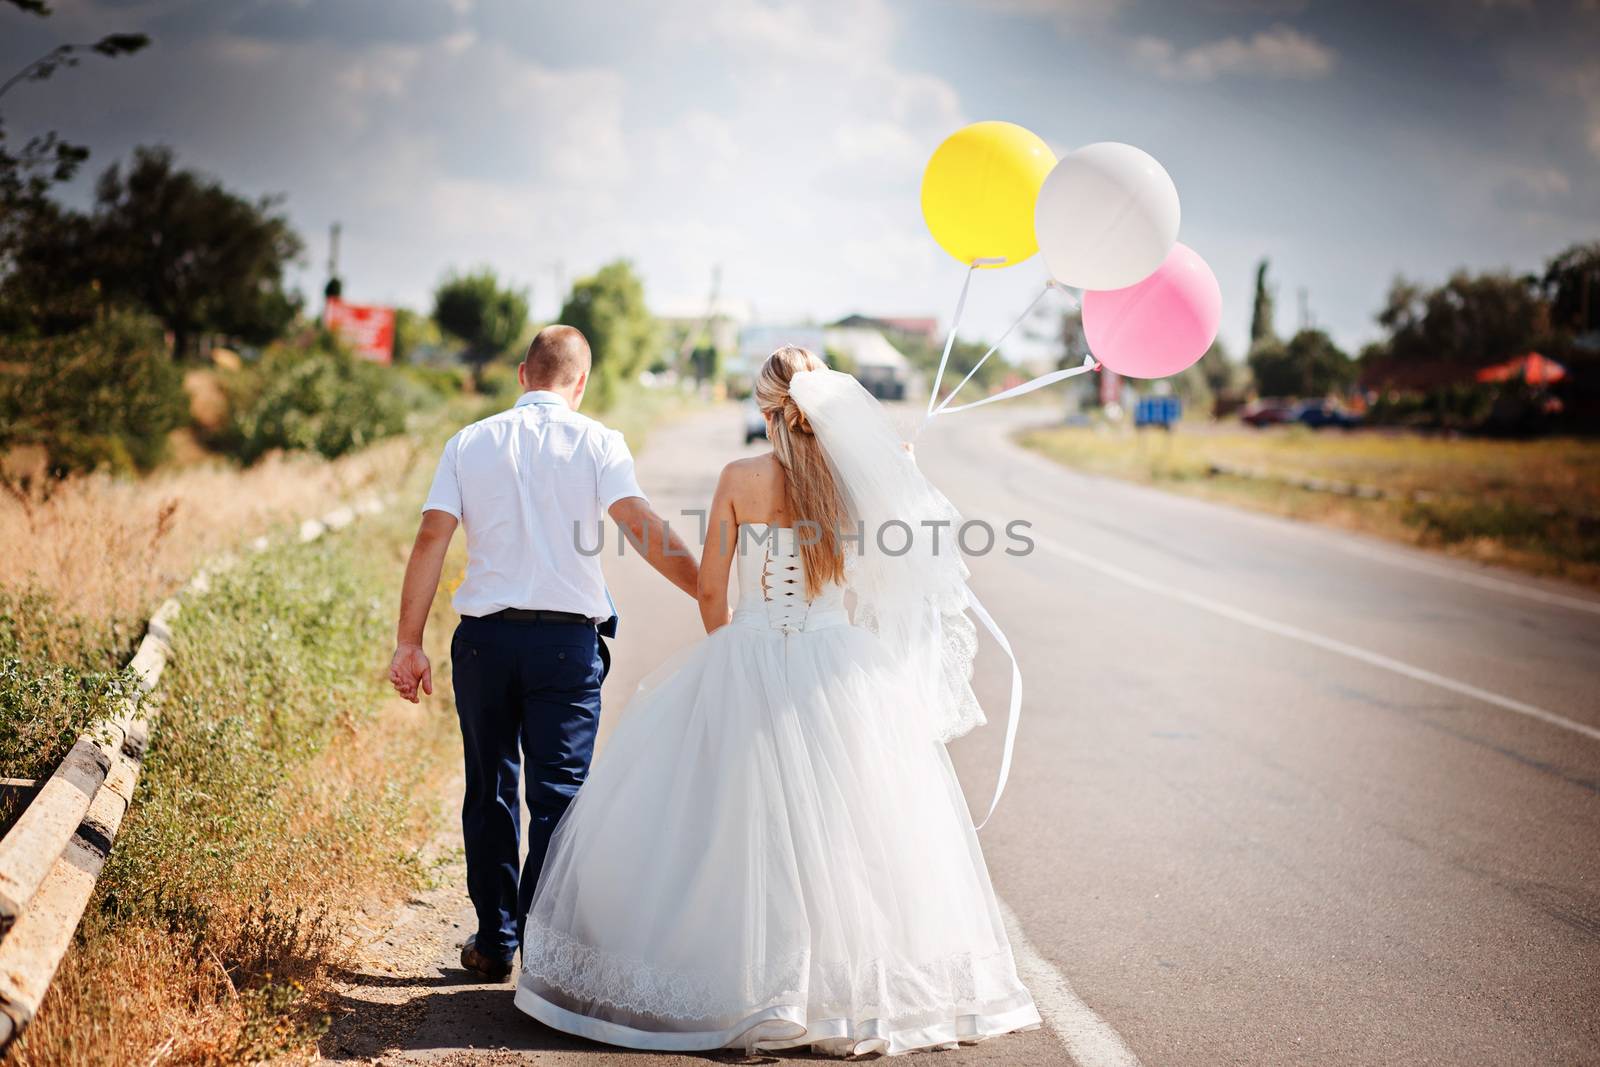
<point x="627" y="984"/>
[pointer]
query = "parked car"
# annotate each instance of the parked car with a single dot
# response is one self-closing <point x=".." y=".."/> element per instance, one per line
<point x="1268" y="411"/>
<point x="755" y="424"/>
<point x="1319" y="413"/>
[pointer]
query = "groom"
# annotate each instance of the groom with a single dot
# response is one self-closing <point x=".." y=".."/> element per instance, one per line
<point x="528" y="656"/>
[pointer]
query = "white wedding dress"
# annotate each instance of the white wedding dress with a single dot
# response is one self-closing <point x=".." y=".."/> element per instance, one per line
<point x="772" y="851"/>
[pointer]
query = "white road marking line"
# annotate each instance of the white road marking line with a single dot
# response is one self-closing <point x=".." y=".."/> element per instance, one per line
<point x="1467" y="577"/>
<point x="1283" y="629"/>
<point x="1459" y="572"/>
<point x="1089" y="1039"/>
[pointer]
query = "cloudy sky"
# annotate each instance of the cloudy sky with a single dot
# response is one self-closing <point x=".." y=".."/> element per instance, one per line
<point x="784" y="140"/>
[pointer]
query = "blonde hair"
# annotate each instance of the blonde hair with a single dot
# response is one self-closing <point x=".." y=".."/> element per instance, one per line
<point x="814" y="497"/>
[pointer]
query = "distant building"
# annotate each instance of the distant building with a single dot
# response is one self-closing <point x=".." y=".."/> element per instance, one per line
<point x="757" y="342"/>
<point x="876" y="362"/>
<point x="921" y="327"/>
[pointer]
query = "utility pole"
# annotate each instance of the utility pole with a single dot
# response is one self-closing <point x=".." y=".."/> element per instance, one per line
<point x="1305" y="308"/>
<point x="335" y="288"/>
<point x="558" y="274"/>
<point x="689" y="339"/>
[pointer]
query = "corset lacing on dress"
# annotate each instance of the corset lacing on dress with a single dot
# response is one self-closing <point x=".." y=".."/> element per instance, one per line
<point x="783" y="585"/>
<point x="772" y="587"/>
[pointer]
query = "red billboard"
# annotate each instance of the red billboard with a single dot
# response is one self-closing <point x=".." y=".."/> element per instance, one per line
<point x="367" y="328"/>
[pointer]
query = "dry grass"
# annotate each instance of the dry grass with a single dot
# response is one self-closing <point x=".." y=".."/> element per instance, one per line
<point x="107" y="548"/>
<point x="1534" y="505"/>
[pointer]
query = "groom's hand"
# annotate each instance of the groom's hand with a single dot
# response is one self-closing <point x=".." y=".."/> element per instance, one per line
<point x="409" y="669"/>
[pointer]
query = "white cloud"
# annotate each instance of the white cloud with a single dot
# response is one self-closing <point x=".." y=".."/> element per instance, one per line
<point x="1280" y="51"/>
<point x="782" y="140"/>
<point x="1533" y="189"/>
<point x="699" y="144"/>
<point x="827" y="31"/>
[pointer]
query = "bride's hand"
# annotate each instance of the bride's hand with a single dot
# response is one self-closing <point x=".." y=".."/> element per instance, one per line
<point x="409" y="669"/>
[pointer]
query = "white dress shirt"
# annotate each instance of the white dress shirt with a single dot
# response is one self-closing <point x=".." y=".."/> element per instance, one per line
<point x="530" y="485"/>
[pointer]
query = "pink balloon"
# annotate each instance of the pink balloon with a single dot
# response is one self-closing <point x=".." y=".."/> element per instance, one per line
<point x="1157" y="326"/>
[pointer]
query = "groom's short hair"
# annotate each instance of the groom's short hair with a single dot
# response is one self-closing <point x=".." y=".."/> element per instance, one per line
<point x="558" y="356"/>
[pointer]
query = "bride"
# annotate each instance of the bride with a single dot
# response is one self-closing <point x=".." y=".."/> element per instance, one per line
<point x="773" y="850"/>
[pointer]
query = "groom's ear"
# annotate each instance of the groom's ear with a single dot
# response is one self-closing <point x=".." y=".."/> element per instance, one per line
<point x="522" y="375"/>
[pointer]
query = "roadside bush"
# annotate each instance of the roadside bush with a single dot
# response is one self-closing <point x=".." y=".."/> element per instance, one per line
<point x="1455" y="407"/>
<point x="314" y="398"/>
<point x="56" y="677"/>
<point x="442" y="381"/>
<point x="103" y="396"/>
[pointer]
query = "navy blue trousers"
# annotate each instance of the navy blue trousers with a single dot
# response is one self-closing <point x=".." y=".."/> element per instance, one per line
<point x="535" y="686"/>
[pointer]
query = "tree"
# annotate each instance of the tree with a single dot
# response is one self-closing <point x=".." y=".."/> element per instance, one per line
<point x="608" y="306"/>
<point x="49" y="274"/>
<point x="1214" y="385"/>
<point x="1074" y="342"/>
<point x="103" y="396"/>
<point x="705" y="362"/>
<point x="480" y="313"/>
<point x="198" y="257"/>
<point x="1309" y="365"/>
<point x="1471" y="320"/>
<point x="1262" y="330"/>
<point x="47" y="159"/>
<point x="414" y="334"/>
<point x="1571" y="284"/>
<point x="1222" y="375"/>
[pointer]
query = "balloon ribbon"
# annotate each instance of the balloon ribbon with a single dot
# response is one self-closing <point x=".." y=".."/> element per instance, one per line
<point x="1013" y="710"/>
<point x="1089" y="364"/>
<point x="955" y="324"/>
<point x="1018" y="321"/>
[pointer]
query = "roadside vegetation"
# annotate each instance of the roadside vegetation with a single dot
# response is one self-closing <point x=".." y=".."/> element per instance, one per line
<point x="1531" y="504"/>
<point x="287" y="798"/>
<point x="283" y="795"/>
<point x="1470" y="426"/>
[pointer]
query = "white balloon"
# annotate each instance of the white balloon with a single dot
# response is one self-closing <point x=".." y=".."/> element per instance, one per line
<point x="1106" y="217"/>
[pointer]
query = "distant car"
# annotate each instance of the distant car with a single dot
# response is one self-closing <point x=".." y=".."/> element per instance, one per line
<point x="755" y="424"/>
<point x="1319" y="413"/>
<point x="1268" y="411"/>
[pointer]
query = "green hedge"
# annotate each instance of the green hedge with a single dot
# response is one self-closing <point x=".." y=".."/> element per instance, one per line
<point x="316" y="398"/>
<point x="103" y="396"/>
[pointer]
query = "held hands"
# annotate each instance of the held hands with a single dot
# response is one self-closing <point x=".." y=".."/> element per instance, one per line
<point x="410" y="670"/>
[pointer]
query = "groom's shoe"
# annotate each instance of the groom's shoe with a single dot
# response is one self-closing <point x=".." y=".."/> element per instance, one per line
<point x="489" y="968"/>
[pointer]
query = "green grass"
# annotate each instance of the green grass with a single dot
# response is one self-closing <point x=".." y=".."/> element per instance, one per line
<point x="58" y="674"/>
<point x="271" y="664"/>
<point x="1528" y="504"/>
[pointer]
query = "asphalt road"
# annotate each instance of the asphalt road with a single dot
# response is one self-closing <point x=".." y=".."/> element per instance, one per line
<point x="1282" y="794"/>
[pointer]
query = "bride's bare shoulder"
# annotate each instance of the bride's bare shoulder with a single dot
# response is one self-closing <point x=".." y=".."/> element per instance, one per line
<point x="754" y="486"/>
<point x="752" y="471"/>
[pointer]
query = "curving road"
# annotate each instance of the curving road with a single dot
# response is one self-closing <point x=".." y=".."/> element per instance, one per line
<point x="1283" y="795"/>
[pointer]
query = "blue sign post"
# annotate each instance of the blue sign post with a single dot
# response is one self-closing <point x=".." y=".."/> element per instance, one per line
<point x="1160" y="411"/>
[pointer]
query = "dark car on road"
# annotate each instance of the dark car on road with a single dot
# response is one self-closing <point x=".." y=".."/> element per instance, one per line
<point x="755" y="424"/>
<point x="1268" y="411"/>
<point x="1319" y="413"/>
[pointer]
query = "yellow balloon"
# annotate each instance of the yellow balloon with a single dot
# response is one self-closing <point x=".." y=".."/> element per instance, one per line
<point x="979" y="189"/>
